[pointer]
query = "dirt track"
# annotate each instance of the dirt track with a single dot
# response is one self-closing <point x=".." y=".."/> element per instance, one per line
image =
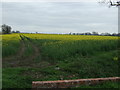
<point x="20" y="59"/>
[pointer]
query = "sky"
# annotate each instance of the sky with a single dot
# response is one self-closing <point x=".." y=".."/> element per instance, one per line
<point x="60" y="17"/>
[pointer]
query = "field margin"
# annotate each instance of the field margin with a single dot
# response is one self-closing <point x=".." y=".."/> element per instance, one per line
<point x="72" y="83"/>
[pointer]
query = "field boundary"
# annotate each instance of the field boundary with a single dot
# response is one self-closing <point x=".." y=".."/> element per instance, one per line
<point x="72" y="83"/>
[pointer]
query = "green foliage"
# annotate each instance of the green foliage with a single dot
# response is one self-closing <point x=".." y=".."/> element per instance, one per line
<point x="10" y="44"/>
<point x="12" y="78"/>
<point x="6" y="29"/>
<point x="61" y="57"/>
<point x="103" y="85"/>
<point x="59" y="47"/>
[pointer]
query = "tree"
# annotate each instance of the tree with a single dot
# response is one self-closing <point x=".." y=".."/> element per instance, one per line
<point x="117" y="3"/>
<point x="6" y="29"/>
<point x="17" y="31"/>
<point x="111" y="2"/>
<point x="95" y="33"/>
<point x="114" y="34"/>
<point x="74" y="34"/>
<point x="107" y="34"/>
<point x="70" y="33"/>
<point x="13" y="31"/>
<point x="87" y="33"/>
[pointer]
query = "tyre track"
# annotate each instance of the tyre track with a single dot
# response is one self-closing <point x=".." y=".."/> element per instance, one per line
<point x="14" y="59"/>
<point x="29" y="61"/>
<point x="20" y="60"/>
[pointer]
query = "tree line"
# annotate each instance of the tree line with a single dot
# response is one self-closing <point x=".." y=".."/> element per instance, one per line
<point x="96" y="33"/>
<point x="6" y="29"/>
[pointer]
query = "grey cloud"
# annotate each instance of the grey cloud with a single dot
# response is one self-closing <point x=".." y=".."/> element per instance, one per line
<point x="60" y="17"/>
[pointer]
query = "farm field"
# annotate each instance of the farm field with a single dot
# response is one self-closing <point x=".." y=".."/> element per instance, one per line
<point x="44" y="57"/>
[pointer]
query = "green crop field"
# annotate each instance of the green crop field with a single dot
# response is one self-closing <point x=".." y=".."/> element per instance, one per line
<point x="44" y="57"/>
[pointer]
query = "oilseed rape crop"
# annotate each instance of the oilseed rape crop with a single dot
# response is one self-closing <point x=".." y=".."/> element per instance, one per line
<point x="10" y="44"/>
<point x="46" y="57"/>
<point x="63" y="46"/>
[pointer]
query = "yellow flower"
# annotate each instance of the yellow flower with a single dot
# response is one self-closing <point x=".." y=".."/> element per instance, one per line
<point x="115" y="58"/>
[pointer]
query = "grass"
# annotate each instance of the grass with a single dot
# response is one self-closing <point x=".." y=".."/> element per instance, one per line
<point x="56" y="48"/>
<point x="103" y="85"/>
<point x="28" y="49"/>
<point x="12" y="78"/>
<point x="69" y="69"/>
<point x="10" y="44"/>
<point x="63" y="57"/>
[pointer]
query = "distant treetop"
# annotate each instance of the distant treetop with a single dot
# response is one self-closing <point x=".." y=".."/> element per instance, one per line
<point x="111" y="2"/>
<point x="6" y="29"/>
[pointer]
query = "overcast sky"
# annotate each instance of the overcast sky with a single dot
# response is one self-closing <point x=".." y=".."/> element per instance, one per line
<point x="60" y="17"/>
